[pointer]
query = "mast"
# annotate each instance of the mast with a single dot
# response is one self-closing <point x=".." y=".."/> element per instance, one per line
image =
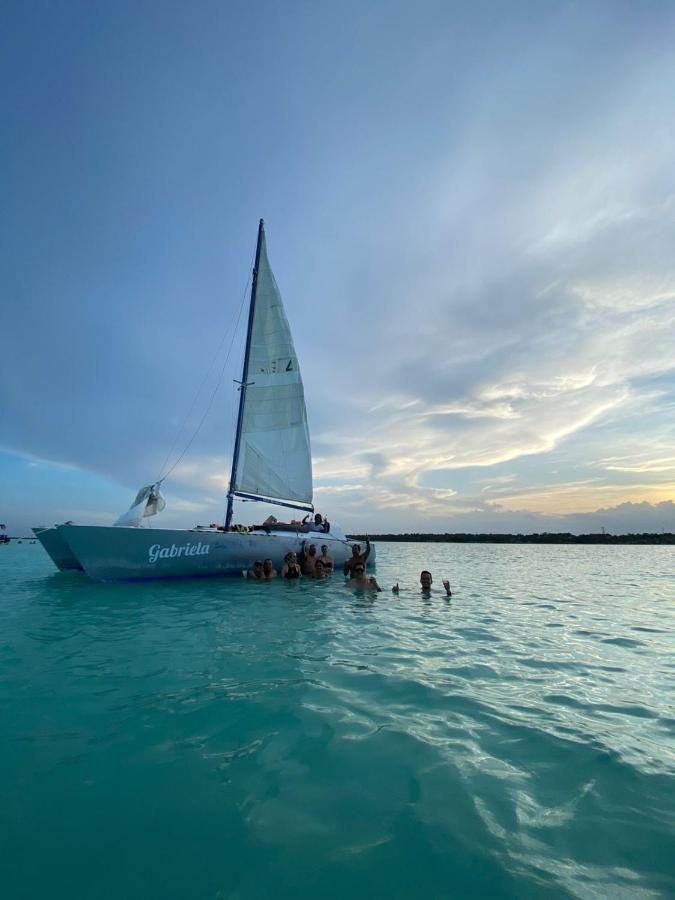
<point x="244" y="384"/>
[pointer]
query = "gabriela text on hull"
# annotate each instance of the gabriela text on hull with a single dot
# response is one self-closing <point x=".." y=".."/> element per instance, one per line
<point x="158" y="552"/>
<point x="271" y="463"/>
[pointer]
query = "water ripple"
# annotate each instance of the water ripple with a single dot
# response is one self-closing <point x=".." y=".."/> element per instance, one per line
<point x="231" y="739"/>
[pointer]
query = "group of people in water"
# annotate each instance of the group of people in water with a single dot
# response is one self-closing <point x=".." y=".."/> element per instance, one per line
<point x="310" y="564"/>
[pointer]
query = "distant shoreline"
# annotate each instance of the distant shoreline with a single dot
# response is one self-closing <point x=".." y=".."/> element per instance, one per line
<point x="544" y="538"/>
<point x="665" y="539"/>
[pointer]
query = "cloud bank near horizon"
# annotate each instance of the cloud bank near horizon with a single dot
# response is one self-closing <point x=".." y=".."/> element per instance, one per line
<point x="473" y="245"/>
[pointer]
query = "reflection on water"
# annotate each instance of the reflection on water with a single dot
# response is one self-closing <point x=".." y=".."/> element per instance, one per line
<point x="229" y="738"/>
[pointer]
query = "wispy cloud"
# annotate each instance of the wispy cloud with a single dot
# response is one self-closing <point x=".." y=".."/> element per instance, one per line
<point x="472" y="231"/>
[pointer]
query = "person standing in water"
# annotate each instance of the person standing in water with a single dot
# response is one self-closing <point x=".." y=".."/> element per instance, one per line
<point x="426" y="581"/>
<point x="269" y="572"/>
<point x="360" y="580"/>
<point x="290" y="568"/>
<point x="357" y="558"/>
<point x="308" y="558"/>
<point x="327" y="560"/>
<point x="257" y="571"/>
<point x="319" y="571"/>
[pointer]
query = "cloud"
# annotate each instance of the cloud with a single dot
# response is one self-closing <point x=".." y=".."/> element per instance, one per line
<point x="475" y="254"/>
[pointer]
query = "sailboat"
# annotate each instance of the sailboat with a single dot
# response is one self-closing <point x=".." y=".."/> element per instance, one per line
<point x="271" y="463"/>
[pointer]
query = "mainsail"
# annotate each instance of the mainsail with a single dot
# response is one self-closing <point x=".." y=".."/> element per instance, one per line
<point x="272" y="457"/>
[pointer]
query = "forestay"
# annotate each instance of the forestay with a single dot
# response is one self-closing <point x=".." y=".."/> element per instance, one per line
<point x="274" y="453"/>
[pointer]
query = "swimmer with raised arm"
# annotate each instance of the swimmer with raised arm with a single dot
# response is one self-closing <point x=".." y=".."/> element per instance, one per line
<point x="357" y="557"/>
<point x="308" y="558"/>
<point x="426" y="581"/>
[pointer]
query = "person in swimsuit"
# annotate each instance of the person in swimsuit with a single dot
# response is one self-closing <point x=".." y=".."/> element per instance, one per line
<point x="308" y="558"/>
<point x="357" y="558"/>
<point x="319" y="571"/>
<point x="257" y="571"/>
<point x="360" y="580"/>
<point x="426" y="581"/>
<point x="327" y="560"/>
<point x="290" y="568"/>
<point x="269" y="572"/>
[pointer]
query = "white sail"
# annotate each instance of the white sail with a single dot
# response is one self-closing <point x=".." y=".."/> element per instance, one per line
<point x="274" y="452"/>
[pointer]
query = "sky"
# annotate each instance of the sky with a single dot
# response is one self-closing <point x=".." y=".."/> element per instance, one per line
<point x="470" y="213"/>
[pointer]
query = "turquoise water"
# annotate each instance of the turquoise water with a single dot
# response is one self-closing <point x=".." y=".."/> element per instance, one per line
<point x="216" y="739"/>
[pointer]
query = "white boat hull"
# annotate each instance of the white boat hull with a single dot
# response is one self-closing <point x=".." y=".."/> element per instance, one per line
<point x="138" y="554"/>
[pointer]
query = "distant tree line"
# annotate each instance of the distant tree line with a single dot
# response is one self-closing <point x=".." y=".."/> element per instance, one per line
<point x="545" y="537"/>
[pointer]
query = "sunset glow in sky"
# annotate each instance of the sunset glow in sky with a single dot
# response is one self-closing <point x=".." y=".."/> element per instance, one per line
<point x="470" y="213"/>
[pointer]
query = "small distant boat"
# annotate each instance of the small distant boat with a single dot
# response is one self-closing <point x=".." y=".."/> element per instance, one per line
<point x="271" y="463"/>
<point x="4" y="537"/>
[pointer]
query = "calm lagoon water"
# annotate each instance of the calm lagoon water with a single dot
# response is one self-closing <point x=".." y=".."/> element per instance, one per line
<point x="217" y="739"/>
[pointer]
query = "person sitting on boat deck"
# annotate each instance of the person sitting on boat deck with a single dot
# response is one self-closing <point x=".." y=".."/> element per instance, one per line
<point x="426" y="581"/>
<point x="290" y="568"/>
<point x="327" y="560"/>
<point x="308" y="558"/>
<point x="359" y="579"/>
<point x="319" y="523"/>
<point x="357" y="557"/>
<point x="319" y="571"/>
<point x="269" y="572"/>
<point x="257" y="570"/>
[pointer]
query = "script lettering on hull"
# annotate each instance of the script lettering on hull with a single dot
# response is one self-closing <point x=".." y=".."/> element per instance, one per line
<point x="177" y="550"/>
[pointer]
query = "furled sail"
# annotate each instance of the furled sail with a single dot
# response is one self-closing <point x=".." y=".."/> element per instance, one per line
<point x="274" y="457"/>
<point x="148" y="502"/>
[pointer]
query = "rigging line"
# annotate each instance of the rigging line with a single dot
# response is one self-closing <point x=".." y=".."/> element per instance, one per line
<point x="233" y="395"/>
<point x="197" y="393"/>
<point x="215" y="390"/>
<point x="242" y="342"/>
